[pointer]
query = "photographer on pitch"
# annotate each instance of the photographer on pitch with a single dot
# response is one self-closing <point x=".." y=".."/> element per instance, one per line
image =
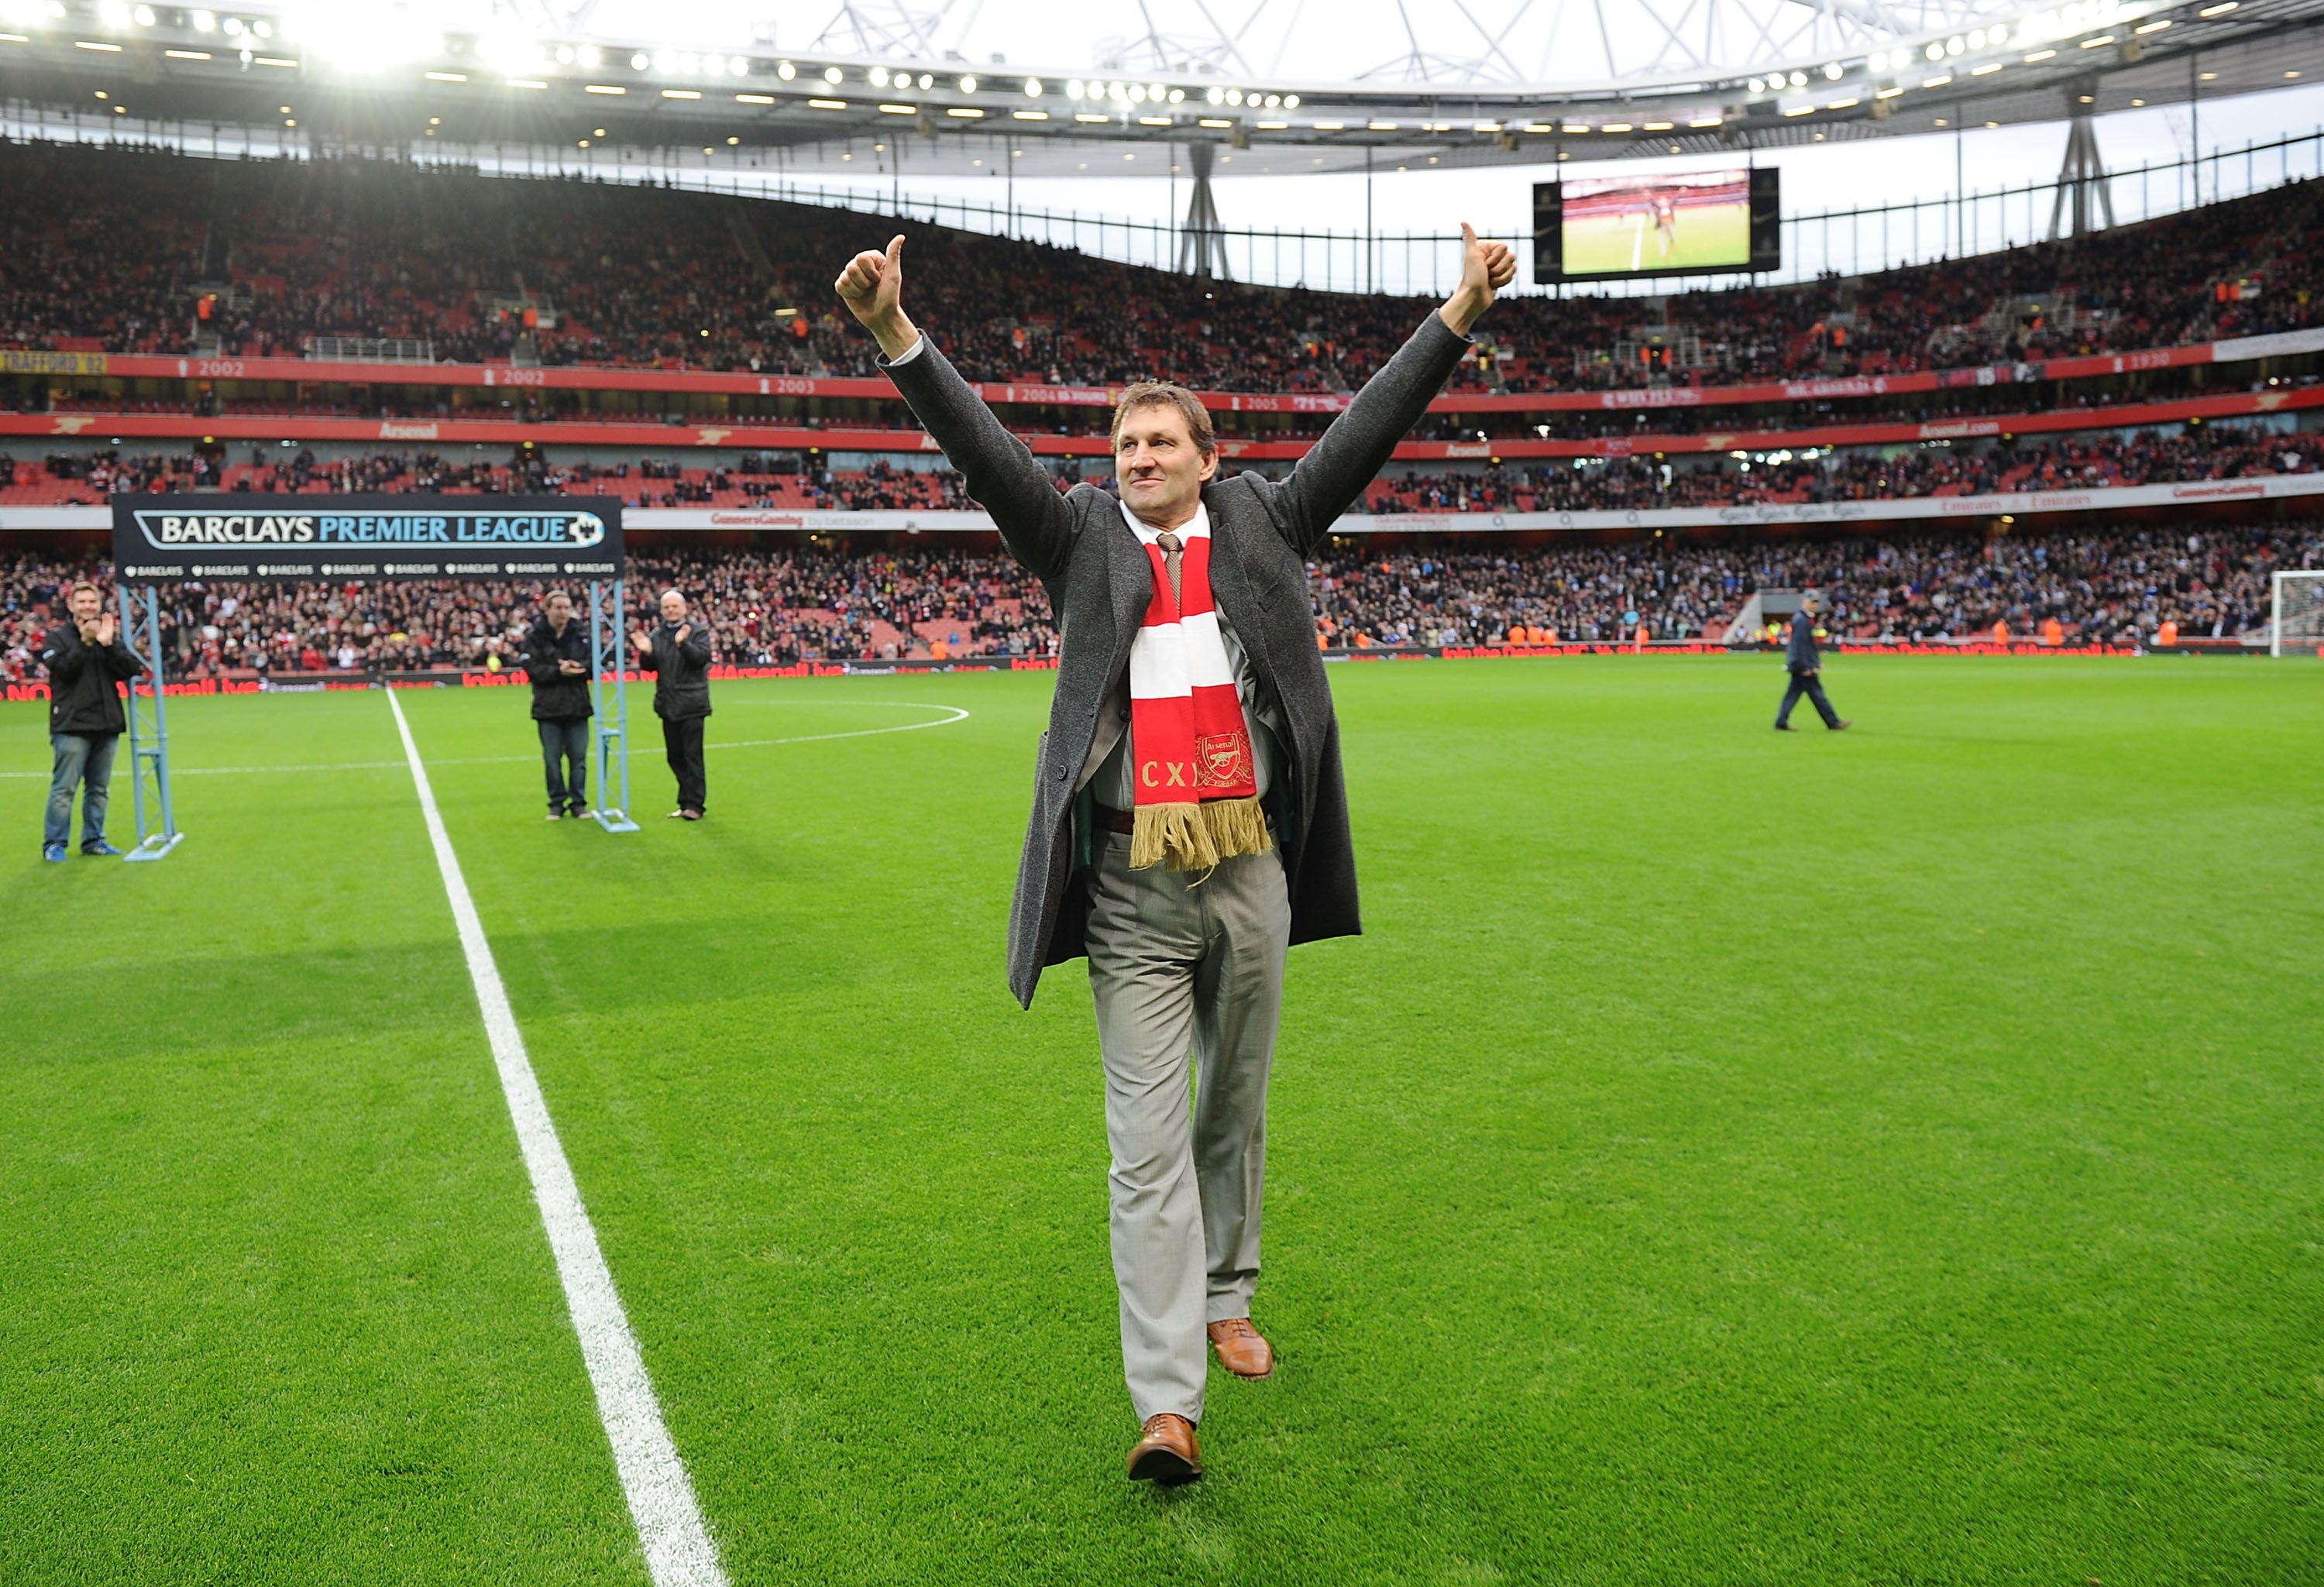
<point x="86" y="661"/>
<point x="678" y="653"/>
<point x="555" y="657"/>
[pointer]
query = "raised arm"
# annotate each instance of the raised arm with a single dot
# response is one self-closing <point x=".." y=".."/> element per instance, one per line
<point x="1359" y="444"/>
<point x="1002" y="472"/>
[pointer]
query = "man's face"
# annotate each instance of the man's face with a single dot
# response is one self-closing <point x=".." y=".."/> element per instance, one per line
<point x="561" y="611"/>
<point x="85" y="604"/>
<point x="673" y="607"/>
<point x="1161" y="470"/>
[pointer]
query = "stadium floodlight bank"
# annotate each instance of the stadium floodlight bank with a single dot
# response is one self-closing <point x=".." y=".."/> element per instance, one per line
<point x="369" y="538"/>
<point x="2296" y="625"/>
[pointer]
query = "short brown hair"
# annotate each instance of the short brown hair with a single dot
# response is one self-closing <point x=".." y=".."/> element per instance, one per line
<point x="1161" y="393"/>
<point x="556" y="595"/>
<point x="86" y="583"/>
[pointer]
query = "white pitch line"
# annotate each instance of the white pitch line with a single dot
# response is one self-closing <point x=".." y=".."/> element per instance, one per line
<point x="678" y="1546"/>
<point x="958" y="714"/>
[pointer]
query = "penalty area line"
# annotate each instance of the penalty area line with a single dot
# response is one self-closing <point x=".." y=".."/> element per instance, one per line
<point x="670" y="1529"/>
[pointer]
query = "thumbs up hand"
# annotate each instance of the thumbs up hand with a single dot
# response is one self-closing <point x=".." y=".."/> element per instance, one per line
<point x="872" y="288"/>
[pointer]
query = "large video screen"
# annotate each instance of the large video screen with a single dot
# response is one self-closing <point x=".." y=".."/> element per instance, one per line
<point x="1692" y="222"/>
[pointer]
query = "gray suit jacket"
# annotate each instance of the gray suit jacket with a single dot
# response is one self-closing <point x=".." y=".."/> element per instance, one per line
<point x="1099" y="581"/>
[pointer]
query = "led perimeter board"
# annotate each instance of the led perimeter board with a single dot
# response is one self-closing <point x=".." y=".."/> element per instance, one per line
<point x="368" y="537"/>
<point x="1690" y="223"/>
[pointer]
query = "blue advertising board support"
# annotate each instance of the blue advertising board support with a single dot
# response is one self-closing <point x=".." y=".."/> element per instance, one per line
<point x="149" y="730"/>
<point x="612" y="738"/>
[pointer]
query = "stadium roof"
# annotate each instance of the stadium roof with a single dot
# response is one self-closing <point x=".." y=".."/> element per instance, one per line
<point x="1514" y="86"/>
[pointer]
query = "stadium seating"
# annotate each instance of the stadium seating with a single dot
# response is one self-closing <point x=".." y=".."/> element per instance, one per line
<point x="773" y="607"/>
<point x="2221" y="451"/>
<point x="105" y="249"/>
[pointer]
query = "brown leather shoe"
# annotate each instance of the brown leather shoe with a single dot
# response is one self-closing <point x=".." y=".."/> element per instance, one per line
<point x="1241" y="1349"/>
<point x="1166" y="1451"/>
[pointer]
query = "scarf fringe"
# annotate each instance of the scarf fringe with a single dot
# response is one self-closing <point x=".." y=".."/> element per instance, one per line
<point x="1196" y="837"/>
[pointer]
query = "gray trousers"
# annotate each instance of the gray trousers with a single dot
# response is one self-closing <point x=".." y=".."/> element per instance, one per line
<point x="1187" y="975"/>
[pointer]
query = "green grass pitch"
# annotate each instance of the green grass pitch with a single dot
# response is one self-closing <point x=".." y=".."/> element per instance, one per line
<point x="1883" y="1156"/>
<point x="1719" y="235"/>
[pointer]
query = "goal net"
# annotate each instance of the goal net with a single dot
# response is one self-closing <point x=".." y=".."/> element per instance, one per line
<point x="2298" y="629"/>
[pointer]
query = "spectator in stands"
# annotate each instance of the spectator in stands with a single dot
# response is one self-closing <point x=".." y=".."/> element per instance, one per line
<point x="86" y="661"/>
<point x="1804" y="663"/>
<point x="1186" y="905"/>
<point x="677" y="654"/>
<point x="555" y="657"/>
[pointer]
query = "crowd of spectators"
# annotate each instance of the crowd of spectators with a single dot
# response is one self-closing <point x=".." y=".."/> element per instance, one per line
<point x="776" y="607"/>
<point x="114" y="249"/>
<point x="2101" y="586"/>
<point x="2097" y="462"/>
<point x="795" y="480"/>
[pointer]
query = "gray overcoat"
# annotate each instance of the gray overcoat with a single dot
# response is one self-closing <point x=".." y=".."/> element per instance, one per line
<point x="1099" y="582"/>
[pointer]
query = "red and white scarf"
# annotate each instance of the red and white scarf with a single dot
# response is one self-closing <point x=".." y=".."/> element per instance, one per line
<point x="1197" y="783"/>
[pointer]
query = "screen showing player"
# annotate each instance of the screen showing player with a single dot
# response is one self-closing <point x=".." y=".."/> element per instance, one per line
<point x="1652" y="225"/>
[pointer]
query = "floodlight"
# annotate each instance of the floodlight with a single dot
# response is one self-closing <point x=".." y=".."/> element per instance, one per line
<point x="113" y="13"/>
<point x="1072" y="89"/>
<point x="878" y="77"/>
<point x="143" y="16"/>
<point x="1032" y="88"/>
<point x="1832" y="71"/>
<point x="639" y="61"/>
<point x="1153" y="92"/>
<point x="1217" y="96"/>
<point x="1758" y="86"/>
<point x="205" y="22"/>
<point x="832" y="74"/>
<point x="592" y="57"/>
<point x="263" y="28"/>
<point x="968" y="85"/>
<point x="785" y="70"/>
<point x="1799" y="79"/>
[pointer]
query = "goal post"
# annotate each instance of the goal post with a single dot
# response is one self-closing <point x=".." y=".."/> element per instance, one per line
<point x="2296" y="613"/>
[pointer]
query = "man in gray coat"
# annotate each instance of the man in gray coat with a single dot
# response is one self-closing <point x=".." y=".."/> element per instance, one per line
<point x="1186" y="959"/>
<point x="1804" y="663"/>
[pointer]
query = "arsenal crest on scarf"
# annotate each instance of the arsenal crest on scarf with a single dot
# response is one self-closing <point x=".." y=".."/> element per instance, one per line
<point x="1197" y="796"/>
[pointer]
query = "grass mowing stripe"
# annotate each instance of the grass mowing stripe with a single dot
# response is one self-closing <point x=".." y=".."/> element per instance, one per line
<point x="678" y="1546"/>
<point x="958" y="714"/>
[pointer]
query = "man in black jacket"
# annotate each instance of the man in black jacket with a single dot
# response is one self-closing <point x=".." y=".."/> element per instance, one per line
<point x="1805" y="663"/>
<point x="86" y="661"/>
<point x="1189" y="592"/>
<point x="677" y="654"/>
<point x="556" y="659"/>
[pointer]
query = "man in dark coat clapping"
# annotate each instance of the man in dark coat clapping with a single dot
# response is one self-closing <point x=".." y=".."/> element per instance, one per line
<point x="678" y="653"/>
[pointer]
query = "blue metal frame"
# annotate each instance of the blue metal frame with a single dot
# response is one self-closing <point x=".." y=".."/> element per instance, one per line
<point x="149" y="737"/>
<point x="612" y="737"/>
